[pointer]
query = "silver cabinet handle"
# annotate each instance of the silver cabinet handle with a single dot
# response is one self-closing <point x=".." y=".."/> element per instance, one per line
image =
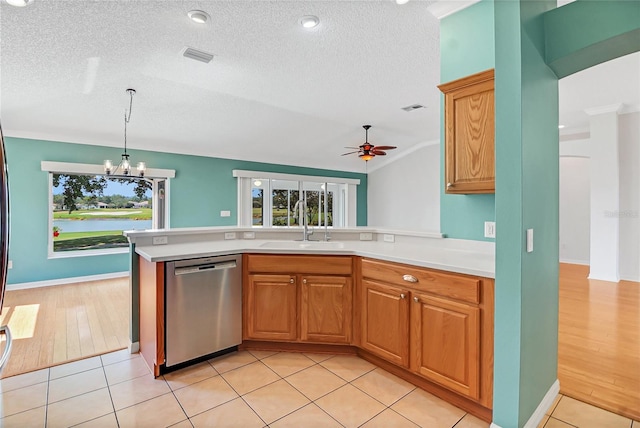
<point x="304" y="281"/>
<point x="415" y="299"/>
<point x="7" y="348"/>
<point x="402" y="296"/>
<point x="292" y="280"/>
<point x="410" y="278"/>
<point x="449" y="185"/>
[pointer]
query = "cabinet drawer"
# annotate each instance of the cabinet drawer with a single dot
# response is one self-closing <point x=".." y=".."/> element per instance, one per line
<point x="292" y="264"/>
<point x="454" y="286"/>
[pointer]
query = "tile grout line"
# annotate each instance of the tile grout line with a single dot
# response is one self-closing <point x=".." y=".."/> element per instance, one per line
<point x="46" y="402"/>
<point x="104" y="372"/>
<point x="239" y="396"/>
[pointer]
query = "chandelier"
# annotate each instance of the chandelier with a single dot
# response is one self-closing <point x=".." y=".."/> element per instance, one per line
<point x="124" y="167"/>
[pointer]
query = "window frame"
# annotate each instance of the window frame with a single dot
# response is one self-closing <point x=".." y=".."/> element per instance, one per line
<point x="156" y="175"/>
<point x="245" y="200"/>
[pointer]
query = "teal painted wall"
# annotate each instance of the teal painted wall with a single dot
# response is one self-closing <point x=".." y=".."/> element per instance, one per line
<point x="527" y="158"/>
<point x="467" y="47"/>
<point x="202" y="188"/>
<point x="600" y="31"/>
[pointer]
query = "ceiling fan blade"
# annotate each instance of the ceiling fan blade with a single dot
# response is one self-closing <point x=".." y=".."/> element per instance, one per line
<point x="350" y="153"/>
<point x="378" y="152"/>
<point x="355" y="148"/>
<point x="384" y="147"/>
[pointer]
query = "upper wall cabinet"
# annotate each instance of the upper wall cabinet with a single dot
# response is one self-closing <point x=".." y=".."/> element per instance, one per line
<point x="469" y="134"/>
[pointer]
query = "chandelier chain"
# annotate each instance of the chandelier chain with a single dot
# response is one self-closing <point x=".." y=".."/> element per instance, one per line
<point x="127" y="118"/>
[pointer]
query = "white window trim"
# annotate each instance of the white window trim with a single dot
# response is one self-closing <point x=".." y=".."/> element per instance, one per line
<point x="244" y="195"/>
<point x="293" y="177"/>
<point x="90" y="169"/>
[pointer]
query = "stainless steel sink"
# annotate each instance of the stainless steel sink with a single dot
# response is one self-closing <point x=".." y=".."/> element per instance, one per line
<point x="311" y="245"/>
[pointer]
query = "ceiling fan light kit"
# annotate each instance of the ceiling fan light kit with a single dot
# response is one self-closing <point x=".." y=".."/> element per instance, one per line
<point x="368" y="151"/>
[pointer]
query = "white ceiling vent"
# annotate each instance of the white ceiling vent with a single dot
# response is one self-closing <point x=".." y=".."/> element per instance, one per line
<point x="413" y="107"/>
<point x="197" y="55"/>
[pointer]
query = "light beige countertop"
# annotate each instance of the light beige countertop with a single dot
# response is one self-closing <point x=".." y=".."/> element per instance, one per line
<point x="414" y="248"/>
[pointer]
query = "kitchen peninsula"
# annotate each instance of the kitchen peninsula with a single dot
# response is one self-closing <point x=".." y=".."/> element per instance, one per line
<point x="416" y="304"/>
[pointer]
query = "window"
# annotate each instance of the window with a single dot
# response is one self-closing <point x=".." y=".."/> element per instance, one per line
<point x="278" y="200"/>
<point x="89" y="212"/>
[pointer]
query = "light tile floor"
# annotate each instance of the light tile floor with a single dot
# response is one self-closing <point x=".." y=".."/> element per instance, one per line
<point x="245" y="389"/>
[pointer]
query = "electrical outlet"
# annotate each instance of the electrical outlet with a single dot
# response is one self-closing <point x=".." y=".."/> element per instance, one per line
<point x="489" y="229"/>
<point x="229" y="235"/>
<point x="225" y="213"/>
<point x="160" y="240"/>
<point x="389" y="238"/>
<point x="249" y="235"/>
<point x="366" y="236"/>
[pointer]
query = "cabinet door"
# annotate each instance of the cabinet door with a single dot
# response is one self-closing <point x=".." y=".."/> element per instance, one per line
<point x="271" y="307"/>
<point x="445" y="343"/>
<point x="325" y="309"/>
<point x="470" y="134"/>
<point x="385" y="321"/>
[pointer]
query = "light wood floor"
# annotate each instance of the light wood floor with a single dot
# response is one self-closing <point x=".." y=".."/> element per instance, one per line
<point x="53" y="325"/>
<point x="599" y="341"/>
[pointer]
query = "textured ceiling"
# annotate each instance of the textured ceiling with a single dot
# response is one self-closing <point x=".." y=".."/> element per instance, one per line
<point x="273" y="93"/>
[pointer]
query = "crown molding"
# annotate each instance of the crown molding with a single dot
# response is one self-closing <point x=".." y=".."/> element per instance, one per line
<point x="443" y="8"/>
<point x="611" y="108"/>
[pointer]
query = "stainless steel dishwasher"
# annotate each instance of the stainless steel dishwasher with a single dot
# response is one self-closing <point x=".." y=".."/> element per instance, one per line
<point x="203" y="307"/>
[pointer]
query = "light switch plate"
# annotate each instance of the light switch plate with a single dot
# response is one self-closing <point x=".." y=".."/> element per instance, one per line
<point x="10" y="264"/>
<point x="366" y="236"/>
<point x="389" y="238"/>
<point x="160" y="240"/>
<point x="529" y="240"/>
<point x="229" y="235"/>
<point x="225" y="213"/>
<point x="489" y="229"/>
<point x="249" y="235"/>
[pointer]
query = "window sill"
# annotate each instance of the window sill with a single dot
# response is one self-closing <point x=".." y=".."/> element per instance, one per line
<point x="87" y="253"/>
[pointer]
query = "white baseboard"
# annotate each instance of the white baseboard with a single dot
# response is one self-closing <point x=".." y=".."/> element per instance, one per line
<point x="545" y="404"/>
<point x="575" y="262"/>
<point x="134" y="347"/>
<point x="541" y="410"/>
<point x="62" y="281"/>
<point x="632" y="278"/>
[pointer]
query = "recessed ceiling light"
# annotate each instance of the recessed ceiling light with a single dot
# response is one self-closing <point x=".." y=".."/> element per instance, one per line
<point x="309" y="21"/>
<point x="19" y="3"/>
<point x="402" y="1"/>
<point x="198" y="16"/>
<point x="560" y="126"/>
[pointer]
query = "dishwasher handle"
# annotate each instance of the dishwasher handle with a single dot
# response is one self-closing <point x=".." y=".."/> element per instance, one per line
<point x="186" y="270"/>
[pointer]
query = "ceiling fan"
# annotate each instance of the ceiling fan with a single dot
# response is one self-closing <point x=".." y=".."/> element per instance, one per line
<point x="367" y="150"/>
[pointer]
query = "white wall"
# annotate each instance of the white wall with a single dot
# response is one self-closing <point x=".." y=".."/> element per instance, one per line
<point x="629" y="152"/>
<point x="574" y="210"/>
<point x="575" y="198"/>
<point x="405" y="193"/>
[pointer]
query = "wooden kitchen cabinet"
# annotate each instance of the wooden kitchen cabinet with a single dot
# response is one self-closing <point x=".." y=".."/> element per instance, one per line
<point x="470" y="134"/>
<point x="271" y="307"/>
<point x="326" y="309"/>
<point x="385" y="321"/>
<point x="439" y="325"/>
<point x="445" y="342"/>
<point x="298" y="298"/>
